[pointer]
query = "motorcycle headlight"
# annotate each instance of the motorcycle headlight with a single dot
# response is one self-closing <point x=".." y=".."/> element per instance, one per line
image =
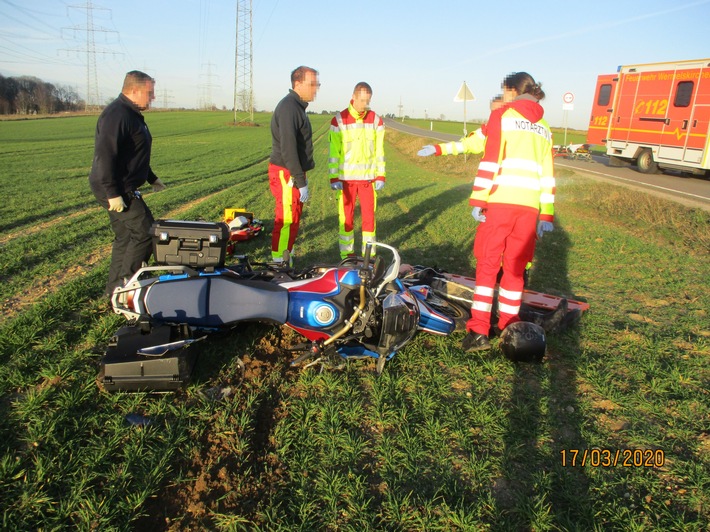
<point x="400" y="318"/>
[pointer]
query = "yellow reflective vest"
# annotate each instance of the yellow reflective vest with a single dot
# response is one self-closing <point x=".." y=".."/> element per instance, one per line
<point x="357" y="146"/>
<point x="516" y="168"/>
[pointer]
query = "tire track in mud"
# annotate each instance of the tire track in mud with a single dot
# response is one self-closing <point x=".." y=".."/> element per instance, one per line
<point x="41" y="287"/>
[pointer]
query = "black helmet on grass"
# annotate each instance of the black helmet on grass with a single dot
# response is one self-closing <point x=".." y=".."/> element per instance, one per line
<point x="523" y="341"/>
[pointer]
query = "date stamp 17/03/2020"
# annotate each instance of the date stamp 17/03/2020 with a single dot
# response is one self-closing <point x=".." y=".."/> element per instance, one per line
<point x="613" y="457"/>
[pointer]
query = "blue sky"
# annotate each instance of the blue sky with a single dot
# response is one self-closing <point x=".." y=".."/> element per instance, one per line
<point x="413" y="52"/>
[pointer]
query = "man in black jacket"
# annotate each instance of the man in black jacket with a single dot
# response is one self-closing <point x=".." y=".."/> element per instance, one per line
<point x="121" y="166"/>
<point x="291" y="157"/>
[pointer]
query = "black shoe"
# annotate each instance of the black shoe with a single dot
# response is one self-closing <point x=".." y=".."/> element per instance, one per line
<point x="475" y="342"/>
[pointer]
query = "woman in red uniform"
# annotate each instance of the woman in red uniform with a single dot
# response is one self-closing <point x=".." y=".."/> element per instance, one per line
<point x="513" y="200"/>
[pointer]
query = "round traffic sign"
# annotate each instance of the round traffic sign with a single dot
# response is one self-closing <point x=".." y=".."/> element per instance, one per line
<point x="568" y="97"/>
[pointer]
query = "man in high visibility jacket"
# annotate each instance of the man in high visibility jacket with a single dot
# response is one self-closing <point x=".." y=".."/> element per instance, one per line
<point x="513" y="199"/>
<point x="291" y="157"/>
<point x="356" y="166"/>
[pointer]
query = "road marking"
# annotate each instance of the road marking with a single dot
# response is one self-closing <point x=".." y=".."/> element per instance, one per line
<point x="634" y="182"/>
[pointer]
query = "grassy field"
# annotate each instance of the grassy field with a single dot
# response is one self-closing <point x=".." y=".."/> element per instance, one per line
<point x="456" y="128"/>
<point x="442" y="440"/>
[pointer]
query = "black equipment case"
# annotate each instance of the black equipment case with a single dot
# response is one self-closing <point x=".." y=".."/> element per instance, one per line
<point x="190" y="243"/>
<point x="125" y="368"/>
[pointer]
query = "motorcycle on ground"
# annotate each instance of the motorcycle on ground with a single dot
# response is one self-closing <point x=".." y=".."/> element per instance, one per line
<point x="364" y="307"/>
<point x="357" y="309"/>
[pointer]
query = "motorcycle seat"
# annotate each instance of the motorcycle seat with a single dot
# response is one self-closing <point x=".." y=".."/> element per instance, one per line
<point x="214" y="301"/>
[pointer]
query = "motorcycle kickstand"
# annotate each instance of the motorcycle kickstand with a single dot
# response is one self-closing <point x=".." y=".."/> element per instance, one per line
<point x="314" y="350"/>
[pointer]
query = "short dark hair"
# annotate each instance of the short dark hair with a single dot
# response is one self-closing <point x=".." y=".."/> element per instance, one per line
<point x="524" y="84"/>
<point x="134" y="78"/>
<point x="362" y="86"/>
<point x="300" y="74"/>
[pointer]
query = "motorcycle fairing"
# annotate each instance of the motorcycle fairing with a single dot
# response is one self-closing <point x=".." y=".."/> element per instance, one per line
<point x="400" y="316"/>
<point x="431" y="320"/>
<point x="321" y="303"/>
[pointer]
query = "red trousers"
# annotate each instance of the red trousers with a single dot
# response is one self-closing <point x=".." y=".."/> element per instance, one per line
<point x="352" y="191"/>
<point x="508" y="237"/>
<point x="287" y="215"/>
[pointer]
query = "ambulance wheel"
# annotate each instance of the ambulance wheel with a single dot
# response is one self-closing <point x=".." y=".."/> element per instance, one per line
<point x="645" y="163"/>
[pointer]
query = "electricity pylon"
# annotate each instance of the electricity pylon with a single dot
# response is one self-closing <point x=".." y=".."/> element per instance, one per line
<point x="92" y="84"/>
<point x="243" y="61"/>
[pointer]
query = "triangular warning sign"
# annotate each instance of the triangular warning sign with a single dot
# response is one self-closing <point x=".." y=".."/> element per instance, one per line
<point x="464" y="94"/>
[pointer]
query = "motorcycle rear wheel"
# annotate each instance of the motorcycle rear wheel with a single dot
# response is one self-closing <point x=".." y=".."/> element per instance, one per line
<point x="457" y="311"/>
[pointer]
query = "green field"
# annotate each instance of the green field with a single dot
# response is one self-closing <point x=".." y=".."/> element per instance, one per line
<point x="456" y="128"/>
<point x="442" y="440"/>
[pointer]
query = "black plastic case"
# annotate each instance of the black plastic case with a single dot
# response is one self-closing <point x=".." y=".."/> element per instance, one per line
<point x="190" y="243"/>
<point x="124" y="369"/>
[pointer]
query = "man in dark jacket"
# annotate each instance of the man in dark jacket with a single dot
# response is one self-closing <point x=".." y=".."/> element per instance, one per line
<point x="122" y="165"/>
<point x="291" y="157"/>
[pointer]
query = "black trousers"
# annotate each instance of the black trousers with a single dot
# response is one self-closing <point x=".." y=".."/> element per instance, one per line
<point x="132" y="243"/>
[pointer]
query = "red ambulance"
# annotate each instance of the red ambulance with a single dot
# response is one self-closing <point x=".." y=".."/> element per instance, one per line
<point x="654" y="115"/>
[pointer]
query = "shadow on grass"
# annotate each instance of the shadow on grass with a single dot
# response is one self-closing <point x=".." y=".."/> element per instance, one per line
<point x="539" y="487"/>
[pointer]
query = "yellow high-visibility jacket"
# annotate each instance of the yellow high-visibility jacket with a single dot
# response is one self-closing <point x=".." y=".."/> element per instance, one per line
<point x="357" y="146"/>
<point x="516" y="168"/>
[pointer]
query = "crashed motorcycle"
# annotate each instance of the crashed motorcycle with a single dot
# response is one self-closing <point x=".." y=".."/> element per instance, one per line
<point x="356" y="309"/>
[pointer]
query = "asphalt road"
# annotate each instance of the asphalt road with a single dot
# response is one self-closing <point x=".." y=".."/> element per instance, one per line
<point x="692" y="191"/>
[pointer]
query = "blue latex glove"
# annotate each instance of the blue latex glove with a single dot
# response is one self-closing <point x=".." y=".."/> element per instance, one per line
<point x="338" y="185"/>
<point x="304" y="194"/>
<point x="426" y="151"/>
<point x="544" y="227"/>
<point x="478" y="215"/>
<point x="379" y="185"/>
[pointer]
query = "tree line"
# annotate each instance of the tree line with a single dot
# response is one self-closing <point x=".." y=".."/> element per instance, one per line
<point x="27" y="95"/>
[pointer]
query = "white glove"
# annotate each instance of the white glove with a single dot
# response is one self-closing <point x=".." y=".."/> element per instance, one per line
<point x="379" y="185"/>
<point x="478" y="215"/>
<point x="116" y="204"/>
<point x="544" y="227"/>
<point x="304" y="194"/>
<point x="337" y="185"/>
<point x="426" y="151"/>
<point x="158" y="185"/>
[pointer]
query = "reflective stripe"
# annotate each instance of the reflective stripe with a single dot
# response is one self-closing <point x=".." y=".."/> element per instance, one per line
<point x="484" y="291"/>
<point x="362" y="166"/>
<point x="522" y="164"/>
<point x="529" y="183"/>
<point x="368" y="237"/>
<point x="451" y="148"/>
<point x="508" y="309"/>
<point x="286" y="197"/>
<point x="488" y="166"/>
<point x="513" y="296"/>
<point x="547" y="198"/>
<point x="482" y="306"/>
<point x="547" y="182"/>
<point x="483" y="182"/>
